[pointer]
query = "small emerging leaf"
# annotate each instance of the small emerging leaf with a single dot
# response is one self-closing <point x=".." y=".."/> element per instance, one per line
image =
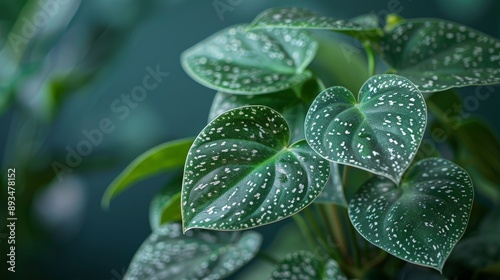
<point x="168" y="254"/>
<point x="304" y="265"/>
<point x="164" y="157"/>
<point x="420" y="221"/>
<point x="438" y="55"/>
<point x="381" y="133"/>
<point x="166" y="206"/>
<point x="241" y="172"/>
<point x="252" y="62"/>
<point x="300" y="18"/>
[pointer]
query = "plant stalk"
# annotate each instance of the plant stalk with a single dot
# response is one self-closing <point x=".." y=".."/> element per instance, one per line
<point x="304" y="230"/>
<point x="371" y="58"/>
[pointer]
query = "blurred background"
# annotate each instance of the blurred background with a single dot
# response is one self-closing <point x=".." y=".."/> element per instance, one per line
<point x="66" y="69"/>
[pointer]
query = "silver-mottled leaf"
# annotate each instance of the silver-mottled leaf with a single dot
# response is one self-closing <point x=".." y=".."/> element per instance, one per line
<point x="242" y="173"/>
<point x="252" y="62"/>
<point x="303" y="265"/>
<point x="381" y="133"/>
<point x="420" y="221"/>
<point x="437" y="55"/>
<point x="300" y="18"/>
<point x="198" y="254"/>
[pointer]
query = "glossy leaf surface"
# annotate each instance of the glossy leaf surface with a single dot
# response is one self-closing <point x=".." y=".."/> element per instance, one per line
<point x="241" y="172"/>
<point x="300" y="18"/>
<point x="253" y="62"/>
<point x="437" y="55"/>
<point x="304" y="265"/>
<point x="381" y="133"/>
<point x="420" y="221"/>
<point x="170" y="254"/>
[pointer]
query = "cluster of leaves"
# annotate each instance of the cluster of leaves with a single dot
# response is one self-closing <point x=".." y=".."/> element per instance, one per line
<point x="277" y="137"/>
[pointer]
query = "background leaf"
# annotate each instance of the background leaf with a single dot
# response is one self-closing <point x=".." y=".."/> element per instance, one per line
<point x="166" y="156"/>
<point x="252" y="62"/>
<point x="304" y="265"/>
<point x="478" y="138"/>
<point x="333" y="193"/>
<point x="381" y="133"/>
<point x="294" y="17"/>
<point x="437" y="54"/>
<point x="481" y="251"/>
<point x="168" y="254"/>
<point x="420" y="221"/>
<point x="241" y="173"/>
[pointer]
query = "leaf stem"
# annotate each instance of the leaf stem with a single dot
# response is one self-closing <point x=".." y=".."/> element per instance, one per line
<point x="354" y="242"/>
<point x="345" y="177"/>
<point x="336" y="229"/>
<point x="313" y="222"/>
<point x="370" y="57"/>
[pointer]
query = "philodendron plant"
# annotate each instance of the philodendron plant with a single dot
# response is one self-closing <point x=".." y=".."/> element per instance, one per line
<point x="279" y="144"/>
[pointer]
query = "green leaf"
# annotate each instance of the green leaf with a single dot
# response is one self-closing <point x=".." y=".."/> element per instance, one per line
<point x="168" y="254"/>
<point x="253" y="62"/>
<point x="293" y="17"/>
<point x="166" y="206"/>
<point x="420" y="221"/>
<point x="304" y="265"/>
<point x="164" y="157"/>
<point x="343" y="62"/>
<point x="241" y="173"/>
<point x="381" y="133"/>
<point x="438" y="55"/>
<point x="333" y="193"/>
<point x="291" y="105"/>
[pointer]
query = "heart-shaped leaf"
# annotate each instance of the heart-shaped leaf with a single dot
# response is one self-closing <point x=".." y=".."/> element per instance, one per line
<point x="241" y="173"/>
<point x="381" y="133"/>
<point x="164" y="157"/>
<point x="422" y="220"/>
<point x="166" y="206"/>
<point x="168" y="254"/>
<point x="292" y="105"/>
<point x="252" y="62"/>
<point x="437" y="55"/>
<point x="300" y="18"/>
<point x="304" y="265"/>
<point x="333" y="193"/>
